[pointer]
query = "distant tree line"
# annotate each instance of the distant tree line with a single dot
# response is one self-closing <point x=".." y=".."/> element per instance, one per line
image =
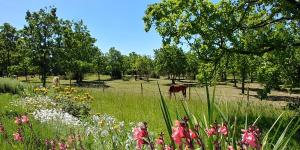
<point x="49" y="45"/>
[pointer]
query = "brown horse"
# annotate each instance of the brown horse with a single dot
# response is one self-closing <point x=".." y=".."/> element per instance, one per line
<point x="177" y="88"/>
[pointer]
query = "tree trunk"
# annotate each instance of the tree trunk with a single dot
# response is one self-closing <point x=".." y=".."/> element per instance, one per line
<point x="243" y="85"/>
<point x="234" y="79"/>
<point x="243" y="79"/>
<point x="98" y="76"/>
<point x="147" y="77"/>
<point x="26" y="74"/>
<point x="298" y="76"/>
<point x="44" y="70"/>
<point x="173" y="79"/>
<point x="8" y="62"/>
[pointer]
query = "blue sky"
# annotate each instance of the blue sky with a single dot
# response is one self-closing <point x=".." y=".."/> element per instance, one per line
<point x="115" y="23"/>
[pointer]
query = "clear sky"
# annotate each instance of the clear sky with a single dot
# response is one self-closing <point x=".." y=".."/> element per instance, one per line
<point x="115" y="23"/>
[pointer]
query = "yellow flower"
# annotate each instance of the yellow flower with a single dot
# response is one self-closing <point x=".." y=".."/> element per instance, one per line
<point x="116" y="127"/>
<point x="101" y="123"/>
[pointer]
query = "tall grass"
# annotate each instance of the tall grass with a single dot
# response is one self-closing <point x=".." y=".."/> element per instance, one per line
<point x="8" y="85"/>
<point x="136" y="107"/>
<point x="277" y="141"/>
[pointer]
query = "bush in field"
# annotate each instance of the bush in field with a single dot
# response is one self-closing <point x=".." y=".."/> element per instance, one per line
<point x="263" y="93"/>
<point x="75" y="109"/>
<point x="8" y="85"/>
<point x="73" y="102"/>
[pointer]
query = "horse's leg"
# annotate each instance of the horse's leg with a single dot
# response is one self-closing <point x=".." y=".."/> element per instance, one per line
<point x="184" y="93"/>
<point x="174" y="95"/>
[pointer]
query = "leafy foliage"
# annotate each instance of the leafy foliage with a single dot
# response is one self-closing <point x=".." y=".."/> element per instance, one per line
<point x="170" y="60"/>
<point x="10" y="86"/>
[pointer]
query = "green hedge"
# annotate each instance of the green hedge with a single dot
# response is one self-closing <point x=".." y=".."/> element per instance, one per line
<point x="8" y="85"/>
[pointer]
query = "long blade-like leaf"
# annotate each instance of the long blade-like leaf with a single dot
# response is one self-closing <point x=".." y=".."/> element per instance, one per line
<point x="264" y="142"/>
<point x="281" y="138"/>
<point x="166" y="115"/>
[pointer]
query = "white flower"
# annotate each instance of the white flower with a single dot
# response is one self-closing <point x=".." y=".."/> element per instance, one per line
<point x="104" y="133"/>
<point x="53" y="115"/>
<point x="36" y="102"/>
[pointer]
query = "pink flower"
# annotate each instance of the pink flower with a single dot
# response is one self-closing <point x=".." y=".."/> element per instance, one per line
<point x="254" y="130"/>
<point x="140" y="133"/>
<point x="47" y="142"/>
<point x="159" y="141"/>
<point x="223" y="130"/>
<point x="249" y="138"/>
<point x="18" y="136"/>
<point x="168" y="147"/>
<point x="193" y="135"/>
<point x="25" y="119"/>
<point x="230" y="147"/>
<point x="178" y="134"/>
<point x="18" y="121"/>
<point x="1" y="128"/>
<point x="62" y="146"/>
<point x="53" y="145"/>
<point x="50" y="144"/>
<point x="211" y="131"/>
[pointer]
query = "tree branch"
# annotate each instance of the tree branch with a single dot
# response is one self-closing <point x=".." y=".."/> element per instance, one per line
<point x="266" y="22"/>
<point x="264" y="49"/>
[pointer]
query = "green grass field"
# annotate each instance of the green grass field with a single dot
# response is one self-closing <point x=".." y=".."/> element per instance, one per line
<point x="126" y="101"/>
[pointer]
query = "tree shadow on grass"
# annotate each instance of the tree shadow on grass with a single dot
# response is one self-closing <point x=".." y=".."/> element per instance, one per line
<point x="90" y="84"/>
<point x="284" y="98"/>
<point x="250" y="89"/>
<point x="293" y="99"/>
<point x="37" y="83"/>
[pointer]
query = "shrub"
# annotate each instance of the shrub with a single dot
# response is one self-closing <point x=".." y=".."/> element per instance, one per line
<point x="293" y="106"/>
<point x="263" y="93"/>
<point x="126" y="78"/>
<point x="73" y="102"/>
<point x="8" y="85"/>
<point x="75" y="109"/>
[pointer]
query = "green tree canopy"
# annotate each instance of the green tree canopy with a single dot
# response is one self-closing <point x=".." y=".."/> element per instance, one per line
<point x="213" y="30"/>
<point x="170" y="60"/>
<point x="8" y="44"/>
<point x="115" y="63"/>
<point x="41" y="32"/>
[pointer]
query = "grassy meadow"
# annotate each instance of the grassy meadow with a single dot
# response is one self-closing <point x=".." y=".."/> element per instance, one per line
<point x="129" y="102"/>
